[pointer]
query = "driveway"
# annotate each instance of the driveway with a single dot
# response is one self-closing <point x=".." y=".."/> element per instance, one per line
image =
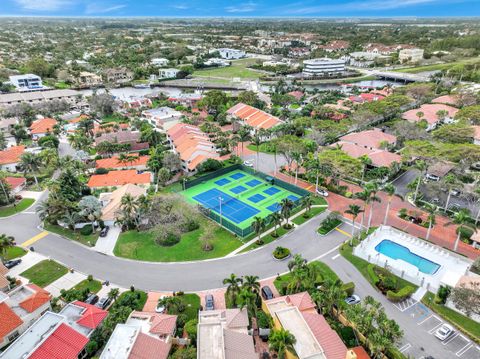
<point x="106" y="244"/>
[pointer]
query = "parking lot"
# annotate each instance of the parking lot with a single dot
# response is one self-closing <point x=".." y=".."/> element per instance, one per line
<point x="457" y="344"/>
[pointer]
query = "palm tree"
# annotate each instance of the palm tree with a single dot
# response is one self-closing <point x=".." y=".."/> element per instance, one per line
<point x="91" y="208"/>
<point x="329" y="295"/>
<point x="281" y="341"/>
<point x="257" y="141"/>
<point x="5" y="243"/>
<point x="129" y="209"/>
<point x="449" y="181"/>
<point x="276" y="218"/>
<point x="233" y="286"/>
<point x="390" y="190"/>
<point x="243" y="135"/>
<point x="365" y="197"/>
<point x="71" y="218"/>
<point x="307" y="203"/>
<point x="286" y="206"/>
<point x="113" y="294"/>
<point x="248" y="300"/>
<point x="30" y="163"/>
<point x="298" y="158"/>
<point x="258" y="226"/>
<point x="431" y="219"/>
<point x="372" y="188"/>
<point x="251" y="283"/>
<point x="422" y="167"/>
<point x="354" y="210"/>
<point x="461" y="219"/>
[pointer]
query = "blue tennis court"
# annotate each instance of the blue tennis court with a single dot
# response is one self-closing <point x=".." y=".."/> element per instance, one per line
<point x="222" y="182"/>
<point x="232" y="208"/>
<point x="253" y="183"/>
<point x="256" y="198"/>
<point x="274" y="207"/>
<point x="237" y="175"/>
<point x="292" y="198"/>
<point x="238" y="189"/>
<point x="271" y="191"/>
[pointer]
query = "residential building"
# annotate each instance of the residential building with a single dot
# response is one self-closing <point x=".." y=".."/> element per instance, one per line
<point x="161" y="326"/>
<point x="410" y="55"/>
<point x="4" y="287"/>
<point x="430" y="113"/>
<point x="253" y="117"/>
<point x="223" y="334"/>
<point x="41" y="128"/>
<point x="192" y="145"/>
<point x="170" y="73"/>
<point x="438" y="170"/>
<point x="366" y="97"/>
<point x="159" y="62"/>
<point x="120" y="137"/>
<point x="323" y="67"/>
<point x="63" y="335"/>
<point x="16" y="184"/>
<point x="112" y="201"/>
<point x="10" y="158"/>
<point x="371" y="139"/>
<point x="451" y="100"/>
<point x="120" y="178"/>
<point x="299" y="52"/>
<point x="217" y="62"/>
<point x="186" y="99"/>
<point x="27" y="82"/>
<point x="366" y="59"/>
<point x="163" y="118"/>
<point x="10" y="99"/>
<point x="137" y="102"/>
<point x="314" y="337"/>
<point x="19" y="309"/>
<point x="119" y="75"/>
<point x="135" y="162"/>
<point x="230" y="54"/>
<point x="335" y="45"/>
<point x="88" y="79"/>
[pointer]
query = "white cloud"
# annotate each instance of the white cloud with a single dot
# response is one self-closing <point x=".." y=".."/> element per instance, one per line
<point x="102" y="8"/>
<point x="245" y="7"/>
<point x="44" y="5"/>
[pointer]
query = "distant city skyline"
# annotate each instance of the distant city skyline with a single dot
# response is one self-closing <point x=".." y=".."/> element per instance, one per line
<point x="242" y="8"/>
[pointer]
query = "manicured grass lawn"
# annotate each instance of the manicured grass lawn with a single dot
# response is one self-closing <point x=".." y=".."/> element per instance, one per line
<point x="141" y="245"/>
<point x="264" y="147"/>
<point x="45" y="272"/>
<point x="437" y="67"/>
<point x="14" y="252"/>
<point x="172" y="188"/>
<point x="323" y="269"/>
<point x="267" y="239"/>
<point x="93" y="286"/>
<point x="464" y="323"/>
<point x="237" y="69"/>
<point x="89" y="240"/>
<point x="141" y="302"/>
<point x="314" y="211"/>
<point x="319" y="200"/>
<point x="192" y="303"/>
<point x="21" y="206"/>
<point x="326" y="228"/>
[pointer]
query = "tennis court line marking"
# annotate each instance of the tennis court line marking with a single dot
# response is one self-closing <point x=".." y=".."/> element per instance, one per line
<point x="343" y="232"/>
<point x="34" y="239"/>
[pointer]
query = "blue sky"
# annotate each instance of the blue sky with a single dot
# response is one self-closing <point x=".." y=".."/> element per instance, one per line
<point x="242" y="8"/>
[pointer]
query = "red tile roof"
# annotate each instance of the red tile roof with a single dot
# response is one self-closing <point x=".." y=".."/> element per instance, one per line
<point x="9" y="320"/>
<point x="302" y="301"/>
<point x="446" y="100"/>
<point x="11" y="155"/>
<point x="380" y="158"/>
<point x="92" y="316"/>
<point x="253" y="116"/>
<point x="15" y="182"/>
<point x="119" y="178"/>
<point x="36" y="300"/>
<point x="366" y="97"/>
<point x="113" y="162"/>
<point x="146" y="347"/>
<point x="429" y="113"/>
<point x="63" y="343"/>
<point x="370" y="138"/>
<point x="42" y="126"/>
<point x="361" y="353"/>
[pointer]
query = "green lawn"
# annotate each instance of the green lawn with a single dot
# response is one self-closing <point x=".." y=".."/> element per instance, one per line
<point x="21" y="206"/>
<point x="141" y="245"/>
<point x="237" y="69"/>
<point x="192" y="303"/>
<point x="267" y="239"/>
<point x="436" y="67"/>
<point x="89" y="240"/>
<point x="14" y="252"/>
<point x="464" y="323"/>
<point x="323" y="269"/>
<point x="93" y="286"/>
<point x="45" y="272"/>
<point x="314" y="211"/>
<point x="264" y="147"/>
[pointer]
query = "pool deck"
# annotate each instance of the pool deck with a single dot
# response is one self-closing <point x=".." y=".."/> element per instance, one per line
<point x="452" y="266"/>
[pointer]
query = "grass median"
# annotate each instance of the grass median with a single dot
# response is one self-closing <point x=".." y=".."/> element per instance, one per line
<point x="20" y="207"/>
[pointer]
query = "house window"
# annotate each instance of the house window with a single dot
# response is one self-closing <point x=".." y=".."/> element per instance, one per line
<point x="13" y="336"/>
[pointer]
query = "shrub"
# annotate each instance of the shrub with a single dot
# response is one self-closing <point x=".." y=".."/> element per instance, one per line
<point x="90" y="277"/>
<point x="348" y="194"/>
<point x="86" y="230"/>
<point x="101" y="171"/>
<point x="209" y="165"/>
<point x="402" y="294"/>
<point x="168" y="239"/>
<point x="349" y="288"/>
<point x="281" y="253"/>
<point x="191" y="329"/>
<point x="263" y="320"/>
<point x="442" y="294"/>
<point x="465" y="232"/>
<point x="402" y="213"/>
<point x="371" y="273"/>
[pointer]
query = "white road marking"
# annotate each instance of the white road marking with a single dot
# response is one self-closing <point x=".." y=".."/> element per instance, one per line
<point x="423" y="321"/>
<point x="435" y="328"/>
<point x="336" y="256"/>
<point x="405" y="347"/>
<point x="464" y="350"/>
<point x="450" y="339"/>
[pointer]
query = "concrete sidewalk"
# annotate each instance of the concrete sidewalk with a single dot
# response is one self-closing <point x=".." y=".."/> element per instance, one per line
<point x="66" y="282"/>
<point x="28" y="260"/>
<point x="107" y="244"/>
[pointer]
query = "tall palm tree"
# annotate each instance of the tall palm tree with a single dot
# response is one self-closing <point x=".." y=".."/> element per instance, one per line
<point x="233" y="284"/>
<point x="71" y="218"/>
<point x="276" y="218"/>
<point x="307" y="203"/>
<point x="257" y="141"/>
<point x="372" y="187"/>
<point x="461" y="219"/>
<point x="422" y="167"/>
<point x="248" y="300"/>
<point x="113" y="294"/>
<point x="251" y="283"/>
<point x="431" y="219"/>
<point x="281" y="341"/>
<point x="354" y="210"/>
<point x="30" y="163"/>
<point x="129" y="209"/>
<point x="243" y="135"/>
<point x="390" y="190"/>
<point x="286" y="206"/>
<point x="449" y="181"/>
<point x="258" y="226"/>
<point x="365" y="197"/>
<point x="5" y="243"/>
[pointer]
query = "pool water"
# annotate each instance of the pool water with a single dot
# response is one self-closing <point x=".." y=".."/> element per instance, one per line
<point x="397" y="251"/>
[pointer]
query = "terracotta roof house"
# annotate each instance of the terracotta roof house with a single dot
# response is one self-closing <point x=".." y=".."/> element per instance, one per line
<point x="253" y="117"/>
<point x="451" y="100"/>
<point x="137" y="162"/>
<point x="223" y="334"/>
<point x="16" y="183"/>
<point x="109" y="127"/>
<point x="19" y="308"/>
<point x="335" y="45"/>
<point x="430" y="114"/>
<point x="122" y="137"/>
<point x="439" y="169"/>
<point x="42" y="127"/>
<point x="112" y="201"/>
<point x="192" y="145"/>
<point x="10" y="157"/>
<point x="372" y="139"/>
<point x="379" y="158"/>
<point x="161" y="326"/>
<point x="297" y="94"/>
<point x="366" y="97"/>
<point x="315" y="338"/>
<point x="120" y="178"/>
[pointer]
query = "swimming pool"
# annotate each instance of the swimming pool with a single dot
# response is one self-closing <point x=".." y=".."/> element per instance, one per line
<point x="397" y="251"/>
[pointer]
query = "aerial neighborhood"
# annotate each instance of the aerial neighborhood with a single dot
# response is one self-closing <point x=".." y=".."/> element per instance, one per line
<point x="239" y="188"/>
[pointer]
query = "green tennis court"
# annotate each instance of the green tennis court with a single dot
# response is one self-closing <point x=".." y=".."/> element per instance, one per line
<point x="238" y="197"/>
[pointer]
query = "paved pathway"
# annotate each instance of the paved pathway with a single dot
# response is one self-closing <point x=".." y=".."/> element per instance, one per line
<point x="66" y="282"/>
<point x="107" y="244"/>
<point x="28" y="260"/>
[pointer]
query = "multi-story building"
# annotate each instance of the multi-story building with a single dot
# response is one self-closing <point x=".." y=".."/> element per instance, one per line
<point x="118" y="75"/>
<point x="170" y="73"/>
<point x="410" y="55"/>
<point x="32" y="98"/>
<point x="230" y="54"/>
<point x="159" y="62"/>
<point x="88" y="79"/>
<point x="27" y="82"/>
<point x="323" y="67"/>
<point x="163" y="118"/>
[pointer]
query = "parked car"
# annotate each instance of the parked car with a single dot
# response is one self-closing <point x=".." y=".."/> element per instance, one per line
<point x="209" y="302"/>
<point x="92" y="299"/>
<point x="12" y="263"/>
<point x="267" y="293"/>
<point x="414" y="219"/>
<point x="322" y="192"/>
<point x="248" y="163"/>
<point x="353" y="299"/>
<point x="104" y="231"/>
<point x="456" y="192"/>
<point x="435" y="200"/>
<point x="103" y="303"/>
<point x="444" y="332"/>
<point x="430" y="177"/>
<point x="160" y="307"/>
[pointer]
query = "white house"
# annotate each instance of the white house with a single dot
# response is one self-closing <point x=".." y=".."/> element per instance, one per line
<point x="410" y="55"/>
<point x="170" y="73"/>
<point x="323" y="67"/>
<point x="159" y="62"/>
<point x="27" y="82"/>
<point x="231" y="54"/>
<point x="163" y="118"/>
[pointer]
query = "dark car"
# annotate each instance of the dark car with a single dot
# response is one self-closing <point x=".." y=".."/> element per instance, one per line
<point x="104" y="231"/>
<point x="103" y="303"/>
<point x="12" y="263"/>
<point x="92" y="299"/>
<point x="267" y="293"/>
<point x="209" y="303"/>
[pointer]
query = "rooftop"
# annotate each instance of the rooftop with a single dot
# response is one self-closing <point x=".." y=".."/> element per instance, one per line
<point x="11" y="155"/>
<point x="114" y="162"/>
<point x="114" y="199"/>
<point x="254" y="117"/>
<point x="119" y="178"/>
<point x="370" y="138"/>
<point x="42" y="126"/>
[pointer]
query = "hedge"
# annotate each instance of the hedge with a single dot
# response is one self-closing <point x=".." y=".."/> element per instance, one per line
<point x="371" y="273"/>
<point x="349" y="288"/>
<point x="402" y="294"/>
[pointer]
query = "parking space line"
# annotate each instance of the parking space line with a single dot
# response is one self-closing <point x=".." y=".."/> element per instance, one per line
<point x="423" y="321"/>
<point x="435" y="328"/>
<point x="450" y="339"/>
<point x="464" y="350"/>
<point x="405" y="347"/>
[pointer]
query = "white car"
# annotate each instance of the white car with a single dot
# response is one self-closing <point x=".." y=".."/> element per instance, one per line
<point x="354" y="299"/>
<point x="322" y="192"/>
<point x="248" y="163"/>
<point x="160" y="308"/>
<point x="444" y="332"/>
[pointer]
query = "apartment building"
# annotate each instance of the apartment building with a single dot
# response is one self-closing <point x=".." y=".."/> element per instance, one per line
<point x="230" y="54"/>
<point x="170" y="73"/>
<point x="32" y="98"/>
<point x="159" y="62"/>
<point x="323" y="67"/>
<point x="163" y="118"/>
<point x="88" y="79"/>
<point x="253" y="117"/>
<point x="410" y="55"/>
<point x="119" y="75"/>
<point x="27" y="82"/>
